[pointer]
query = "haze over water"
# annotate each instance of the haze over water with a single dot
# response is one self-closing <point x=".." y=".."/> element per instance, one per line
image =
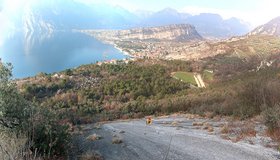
<point x="36" y="52"/>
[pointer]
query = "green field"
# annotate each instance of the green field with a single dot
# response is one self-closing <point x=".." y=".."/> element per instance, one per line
<point x="207" y="76"/>
<point x="185" y="77"/>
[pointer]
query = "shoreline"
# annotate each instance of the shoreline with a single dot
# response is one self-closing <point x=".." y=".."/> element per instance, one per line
<point x="124" y="52"/>
<point x="108" y="42"/>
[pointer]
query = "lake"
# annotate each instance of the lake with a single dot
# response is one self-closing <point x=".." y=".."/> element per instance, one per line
<point x="31" y="53"/>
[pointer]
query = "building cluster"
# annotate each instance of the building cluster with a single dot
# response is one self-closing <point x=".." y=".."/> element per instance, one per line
<point x="114" y="61"/>
<point x="156" y="49"/>
<point x="89" y="82"/>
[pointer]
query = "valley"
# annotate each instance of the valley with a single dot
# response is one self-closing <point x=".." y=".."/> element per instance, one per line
<point x="173" y="70"/>
<point x="191" y="47"/>
<point x="141" y="80"/>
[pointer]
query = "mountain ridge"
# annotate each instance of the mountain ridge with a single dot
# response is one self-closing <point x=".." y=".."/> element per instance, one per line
<point x="270" y="28"/>
<point x="175" y="32"/>
<point x="70" y="14"/>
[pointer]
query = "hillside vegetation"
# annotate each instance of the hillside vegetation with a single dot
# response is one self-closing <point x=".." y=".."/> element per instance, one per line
<point x="27" y="131"/>
<point x="106" y="91"/>
<point x="93" y="93"/>
<point x="262" y="46"/>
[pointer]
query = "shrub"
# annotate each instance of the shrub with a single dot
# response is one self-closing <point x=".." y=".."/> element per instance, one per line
<point x="90" y="156"/>
<point x="69" y="72"/>
<point x="15" y="111"/>
<point x="50" y="137"/>
<point x="44" y="133"/>
<point x="12" y="146"/>
<point x="259" y="94"/>
<point x="272" y="117"/>
<point x="94" y="137"/>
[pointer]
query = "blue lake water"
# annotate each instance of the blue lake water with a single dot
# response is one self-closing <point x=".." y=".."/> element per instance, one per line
<point x="31" y="53"/>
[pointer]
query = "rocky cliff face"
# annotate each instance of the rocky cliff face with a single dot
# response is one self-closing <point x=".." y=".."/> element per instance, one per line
<point x="271" y="28"/>
<point x="179" y="32"/>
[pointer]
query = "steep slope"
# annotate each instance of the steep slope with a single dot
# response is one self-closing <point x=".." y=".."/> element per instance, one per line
<point x="270" y="28"/>
<point x="179" y="32"/>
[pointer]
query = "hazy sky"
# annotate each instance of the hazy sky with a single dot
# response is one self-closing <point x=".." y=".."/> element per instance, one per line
<point x="256" y="12"/>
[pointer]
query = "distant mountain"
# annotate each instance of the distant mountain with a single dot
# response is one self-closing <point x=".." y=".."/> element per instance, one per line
<point x="167" y="16"/>
<point x="49" y="15"/>
<point x="70" y="14"/>
<point x="207" y="24"/>
<point x="214" y="26"/>
<point x="270" y="28"/>
<point x="176" y="32"/>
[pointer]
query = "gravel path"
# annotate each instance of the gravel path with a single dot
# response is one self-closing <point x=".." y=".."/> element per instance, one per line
<point x="166" y="141"/>
<point x="199" y="80"/>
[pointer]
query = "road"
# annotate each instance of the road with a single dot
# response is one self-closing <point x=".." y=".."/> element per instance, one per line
<point x="166" y="140"/>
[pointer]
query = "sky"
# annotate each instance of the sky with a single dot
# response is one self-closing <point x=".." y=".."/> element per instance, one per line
<point x="256" y="12"/>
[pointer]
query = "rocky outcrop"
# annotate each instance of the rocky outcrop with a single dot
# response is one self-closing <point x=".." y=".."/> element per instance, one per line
<point x="271" y="28"/>
<point x="179" y="32"/>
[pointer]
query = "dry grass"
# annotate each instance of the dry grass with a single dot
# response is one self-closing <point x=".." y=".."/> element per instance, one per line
<point x="94" y="137"/>
<point x="206" y="125"/>
<point x="91" y="156"/>
<point x="210" y="129"/>
<point x="197" y="124"/>
<point x="117" y="140"/>
<point x="239" y="130"/>
<point x="275" y="135"/>
<point x="12" y="147"/>
<point x="174" y="124"/>
<point x="225" y="137"/>
<point x="248" y="130"/>
<point x="225" y="129"/>
<point x="209" y="115"/>
<point x="192" y="116"/>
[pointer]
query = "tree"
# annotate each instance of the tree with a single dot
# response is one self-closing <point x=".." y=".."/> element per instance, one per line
<point x="18" y="116"/>
<point x="69" y="72"/>
<point x="15" y="111"/>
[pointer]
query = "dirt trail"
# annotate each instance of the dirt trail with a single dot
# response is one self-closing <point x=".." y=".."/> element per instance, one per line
<point x="170" y="138"/>
<point x="199" y="81"/>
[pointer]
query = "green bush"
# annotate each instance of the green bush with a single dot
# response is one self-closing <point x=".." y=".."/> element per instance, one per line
<point x="15" y="111"/>
<point x="19" y="117"/>
<point x="50" y="138"/>
<point x="68" y="72"/>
